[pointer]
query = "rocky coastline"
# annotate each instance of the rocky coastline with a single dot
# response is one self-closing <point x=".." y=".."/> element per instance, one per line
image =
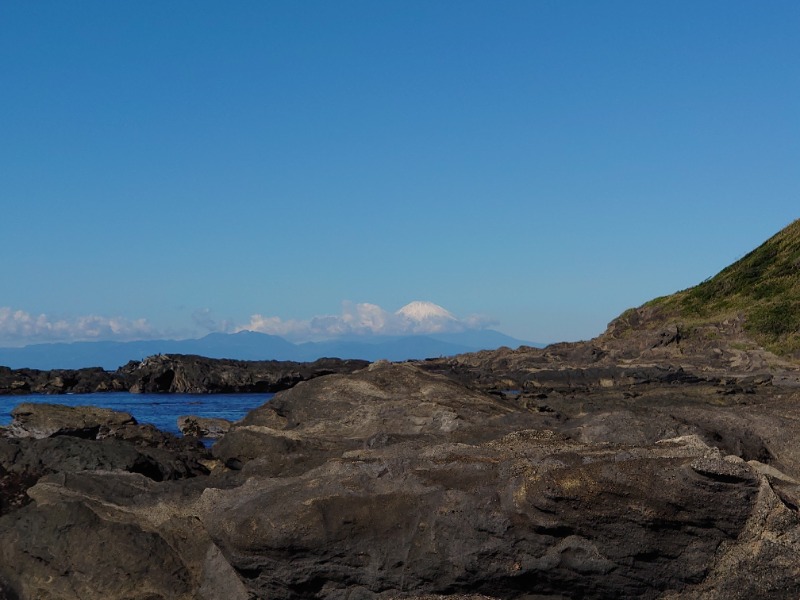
<point x="656" y="461"/>
<point x="584" y="470"/>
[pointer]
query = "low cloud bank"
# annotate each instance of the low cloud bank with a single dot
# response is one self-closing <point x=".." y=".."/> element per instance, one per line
<point x="416" y="318"/>
<point x="22" y="327"/>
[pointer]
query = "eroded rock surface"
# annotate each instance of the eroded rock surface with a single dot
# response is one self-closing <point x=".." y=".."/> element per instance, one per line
<point x="379" y="406"/>
<point x="46" y="439"/>
<point x="395" y="482"/>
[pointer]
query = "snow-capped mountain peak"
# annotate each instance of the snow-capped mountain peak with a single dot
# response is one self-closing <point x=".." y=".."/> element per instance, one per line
<point x="420" y="312"/>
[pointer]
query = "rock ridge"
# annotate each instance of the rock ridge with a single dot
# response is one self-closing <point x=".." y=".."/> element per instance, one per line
<point x="174" y="373"/>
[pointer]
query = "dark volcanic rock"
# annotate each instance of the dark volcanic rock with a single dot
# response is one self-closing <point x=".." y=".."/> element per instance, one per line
<point x="529" y="512"/>
<point x="174" y="373"/>
<point x="47" y="420"/>
<point x="198" y="375"/>
<point x="101" y="535"/>
<point x="59" y="381"/>
<point x="49" y="438"/>
<point x="382" y="405"/>
<point x="397" y="483"/>
<point x="13" y="488"/>
<point x="122" y="560"/>
<point x="203" y="427"/>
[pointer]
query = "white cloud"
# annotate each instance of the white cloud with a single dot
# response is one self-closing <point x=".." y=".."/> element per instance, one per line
<point x="480" y="322"/>
<point x="19" y="326"/>
<point x="204" y="319"/>
<point x="367" y="319"/>
<point x="275" y="326"/>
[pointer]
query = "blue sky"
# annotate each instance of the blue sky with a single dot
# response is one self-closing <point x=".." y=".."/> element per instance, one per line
<point x="170" y="168"/>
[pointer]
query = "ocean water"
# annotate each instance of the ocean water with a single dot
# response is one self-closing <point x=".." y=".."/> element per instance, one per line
<point x="162" y="410"/>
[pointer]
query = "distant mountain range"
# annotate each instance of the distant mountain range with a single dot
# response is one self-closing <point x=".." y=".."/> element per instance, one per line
<point x="249" y="345"/>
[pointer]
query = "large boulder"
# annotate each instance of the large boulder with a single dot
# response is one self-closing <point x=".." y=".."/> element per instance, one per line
<point x="47" y="438"/>
<point x="530" y="513"/>
<point x="378" y="406"/>
<point x="47" y="420"/>
<point x="93" y="535"/>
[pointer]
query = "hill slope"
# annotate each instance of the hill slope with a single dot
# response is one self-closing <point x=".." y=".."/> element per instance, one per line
<point x="742" y="323"/>
<point x="758" y="295"/>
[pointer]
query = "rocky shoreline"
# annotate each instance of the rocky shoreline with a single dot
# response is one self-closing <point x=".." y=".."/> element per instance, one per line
<point x="174" y="373"/>
<point x="645" y="466"/>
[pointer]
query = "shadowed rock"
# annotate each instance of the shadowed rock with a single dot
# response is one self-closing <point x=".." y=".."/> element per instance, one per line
<point x="47" y="438"/>
<point x="188" y="374"/>
<point x="174" y="373"/>
<point x="48" y="420"/>
<point x="203" y="427"/>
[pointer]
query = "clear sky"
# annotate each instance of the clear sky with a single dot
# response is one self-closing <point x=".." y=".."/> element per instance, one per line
<point x="170" y="168"/>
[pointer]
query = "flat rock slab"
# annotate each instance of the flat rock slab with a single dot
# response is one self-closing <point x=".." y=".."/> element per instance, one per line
<point x="47" y="420"/>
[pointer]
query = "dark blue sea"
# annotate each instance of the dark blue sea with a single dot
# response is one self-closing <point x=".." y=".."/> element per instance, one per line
<point x="162" y="410"/>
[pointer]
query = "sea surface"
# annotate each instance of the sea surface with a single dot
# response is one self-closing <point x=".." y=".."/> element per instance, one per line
<point x="162" y="410"/>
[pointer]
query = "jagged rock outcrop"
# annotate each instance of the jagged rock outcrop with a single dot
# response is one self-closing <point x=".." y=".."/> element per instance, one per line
<point x="625" y="359"/>
<point x="203" y="427"/>
<point x="198" y="375"/>
<point x="46" y="438"/>
<point x="738" y="328"/>
<point x="174" y="373"/>
<point x="60" y="381"/>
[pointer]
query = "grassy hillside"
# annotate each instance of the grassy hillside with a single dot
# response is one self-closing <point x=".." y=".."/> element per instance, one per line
<point x="763" y="287"/>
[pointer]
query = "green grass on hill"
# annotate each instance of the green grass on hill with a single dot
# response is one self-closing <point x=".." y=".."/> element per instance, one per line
<point x="764" y="287"/>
